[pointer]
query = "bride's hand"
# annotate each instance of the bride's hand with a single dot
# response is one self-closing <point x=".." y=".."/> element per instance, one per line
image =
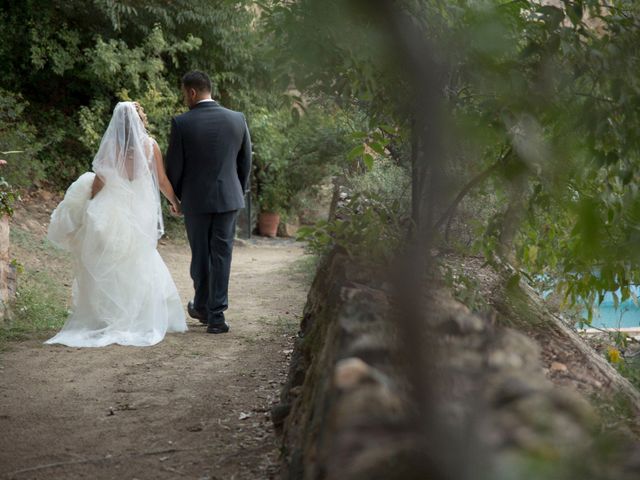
<point x="176" y="209"/>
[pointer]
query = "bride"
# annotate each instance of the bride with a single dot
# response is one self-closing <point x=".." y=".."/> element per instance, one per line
<point x="111" y="221"/>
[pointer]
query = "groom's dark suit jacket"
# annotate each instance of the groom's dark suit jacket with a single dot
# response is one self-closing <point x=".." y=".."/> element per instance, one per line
<point x="209" y="159"/>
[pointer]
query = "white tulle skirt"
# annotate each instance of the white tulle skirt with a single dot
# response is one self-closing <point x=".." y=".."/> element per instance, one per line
<point x="122" y="292"/>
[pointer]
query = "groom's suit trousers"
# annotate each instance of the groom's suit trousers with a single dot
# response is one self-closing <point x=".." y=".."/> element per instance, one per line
<point x="211" y="239"/>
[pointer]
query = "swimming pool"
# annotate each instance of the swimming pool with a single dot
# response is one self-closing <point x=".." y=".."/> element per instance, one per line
<point x="627" y="315"/>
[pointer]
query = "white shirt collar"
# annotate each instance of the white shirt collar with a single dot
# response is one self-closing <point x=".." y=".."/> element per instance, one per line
<point x="206" y="100"/>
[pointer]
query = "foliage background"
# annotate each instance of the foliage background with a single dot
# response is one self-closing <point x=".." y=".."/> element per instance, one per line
<point x="536" y="114"/>
<point x="65" y="65"/>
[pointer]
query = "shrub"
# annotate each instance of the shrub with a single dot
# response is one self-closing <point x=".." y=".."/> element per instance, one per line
<point x="18" y="139"/>
<point x="7" y="197"/>
<point x="294" y="154"/>
<point x="372" y="224"/>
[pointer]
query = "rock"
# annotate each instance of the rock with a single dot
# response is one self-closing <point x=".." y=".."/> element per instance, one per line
<point x="298" y="376"/>
<point x="279" y="413"/>
<point x="461" y="324"/>
<point x="287" y="229"/>
<point x="573" y="403"/>
<point x="46" y="195"/>
<point x="239" y="242"/>
<point x="449" y="316"/>
<point x="356" y="321"/>
<point x="365" y="294"/>
<point x="558" y="367"/>
<point x="553" y="429"/>
<point x="368" y="405"/>
<point x="504" y="359"/>
<point x="512" y="389"/>
<point x="4" y="238"/>
<point x="7" y="271"/>
<point x="295" y="391"/>
<point x="371" y="347"/>
<point x="514" y="344"/>
<point x="632" y="463"/>
<point x="350" y="372"/>
<point x="377" y="458"/>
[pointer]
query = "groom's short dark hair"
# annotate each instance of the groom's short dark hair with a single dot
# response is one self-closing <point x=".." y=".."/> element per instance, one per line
<point x="197" y="80"/>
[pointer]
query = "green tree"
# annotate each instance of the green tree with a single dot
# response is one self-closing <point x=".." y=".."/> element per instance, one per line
<point x="537" y="108"/>
<point x="71" y="62"/>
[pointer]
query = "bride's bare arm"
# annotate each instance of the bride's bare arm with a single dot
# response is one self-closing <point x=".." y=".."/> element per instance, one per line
<point x="97" y="185"/>
<point x="163" y="181"/>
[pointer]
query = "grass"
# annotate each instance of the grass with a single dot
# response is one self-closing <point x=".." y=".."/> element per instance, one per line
<point x="280" y="325"/>
<point x="40" y="306"/>
<point x="41" y="303"/>
<point x="285" y="325"/>
<point x="630" y="369"/>
<point x="614" y="410"/>
<point x="26" y="244"/>
<point x="306" y="267"/>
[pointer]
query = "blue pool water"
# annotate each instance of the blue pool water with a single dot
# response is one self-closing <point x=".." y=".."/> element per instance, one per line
<point x="626" y="315"/>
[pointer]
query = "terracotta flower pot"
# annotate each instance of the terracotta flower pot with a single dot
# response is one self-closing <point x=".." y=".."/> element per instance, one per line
<point x="268" y="224"/>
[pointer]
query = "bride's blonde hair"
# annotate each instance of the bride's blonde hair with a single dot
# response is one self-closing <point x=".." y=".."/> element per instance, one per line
<point x="142" y="115"/>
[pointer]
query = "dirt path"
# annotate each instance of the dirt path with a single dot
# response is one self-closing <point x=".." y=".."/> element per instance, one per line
<point x="194" y="406"/>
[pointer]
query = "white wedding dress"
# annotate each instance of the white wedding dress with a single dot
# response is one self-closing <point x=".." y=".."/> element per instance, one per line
<point x="123" y="292"/>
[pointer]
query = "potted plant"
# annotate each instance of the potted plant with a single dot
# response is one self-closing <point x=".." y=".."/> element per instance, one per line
<point x="272" y="198"/>
<point x="271" y="160"/>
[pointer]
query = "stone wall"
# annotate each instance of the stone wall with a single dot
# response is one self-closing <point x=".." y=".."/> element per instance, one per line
<point x="7" y="271"/>
<point x="339" y="385"/>
<point x="346" y="413"/>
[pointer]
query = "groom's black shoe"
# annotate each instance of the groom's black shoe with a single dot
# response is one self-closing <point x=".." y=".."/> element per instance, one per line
<point x="217" y="325"/>
<point x="193" y="313"/>
<point x="218" y="328"/>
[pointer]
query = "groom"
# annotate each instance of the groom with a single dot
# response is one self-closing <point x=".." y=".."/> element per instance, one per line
<point x="208" y="165"/>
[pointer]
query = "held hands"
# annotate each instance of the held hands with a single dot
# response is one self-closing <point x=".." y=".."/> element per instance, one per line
<point x="176" y="209"/>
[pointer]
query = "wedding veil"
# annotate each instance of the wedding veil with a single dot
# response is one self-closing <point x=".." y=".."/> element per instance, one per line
<point x="125" y="163"/>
